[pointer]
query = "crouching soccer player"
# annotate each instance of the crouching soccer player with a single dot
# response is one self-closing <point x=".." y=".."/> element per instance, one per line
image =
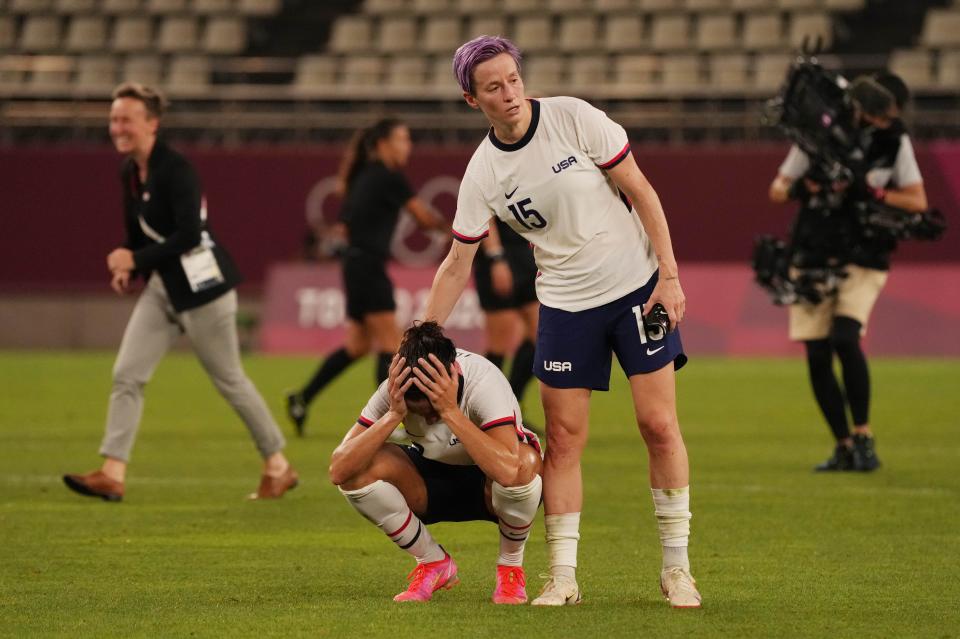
<point x="471" y="459"/>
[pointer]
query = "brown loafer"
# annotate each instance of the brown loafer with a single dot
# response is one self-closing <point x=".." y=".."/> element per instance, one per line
<point x="275" y="487"/>
<point x="95" y="484"/>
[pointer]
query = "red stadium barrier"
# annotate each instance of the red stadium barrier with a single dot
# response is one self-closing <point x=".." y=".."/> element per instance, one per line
<point x="727" y="314"/>
<point x="61" y="206"/>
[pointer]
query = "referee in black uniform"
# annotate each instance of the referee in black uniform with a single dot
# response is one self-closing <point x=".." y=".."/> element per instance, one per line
<point x="505" y="275"/>
<point x="190" y="289"/>
<point x="375" y="192"/>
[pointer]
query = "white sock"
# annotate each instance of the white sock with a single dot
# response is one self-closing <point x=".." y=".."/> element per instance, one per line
<point x="563" y="533"/>
<point x="672" y="508"/>
<point x="384" y="505"/>
<point x="516" y="507"/>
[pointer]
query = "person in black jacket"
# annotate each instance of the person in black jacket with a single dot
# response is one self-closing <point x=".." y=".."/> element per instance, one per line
<point x="374" y="190"/>
<point x="190" y="289"/>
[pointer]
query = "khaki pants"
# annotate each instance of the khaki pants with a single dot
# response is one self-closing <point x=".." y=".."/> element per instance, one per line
<point x="856" y="295"/>
<point x="212" y="329"/>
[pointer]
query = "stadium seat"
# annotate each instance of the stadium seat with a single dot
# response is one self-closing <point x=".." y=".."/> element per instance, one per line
<point x="681" y="72"/>
<point x="762" y="31"/>
<point x="844" y="5"/>
<point x="428" y="7"/>
<point x="40" y="34"/>
<point x="771" y="70"/>
<point x="524" y="6"/>
<point x="624" y="33"/>
<point x="132" y="33"/>
<point x="670" y="32"/>
<point x="441" y="74"/>
<point x="164" y="7"/>
<point x="118" y="7"/>
<point x="211" y="7"/>
<point x="75" y="6"/>
<point x="351" y="34"/>
<point x="477" y="7"/>
<point x="398" y="34"/>
<point x="177" y="33"/>
<point x="362" y="71"/>
<point x="87" y="33"/>
<point x="811" y="26"/>
<point x="716" y="32"/>
<point x="729" y="71"/>
<point x="752" y="5"/>
<point x="589" y="73"/>
<point x="485" y="25"/>
<point x="96" y="73"/>
<point x="534" y="33"/>
<point x="188" y="72"/>
<point x="636" y="71"/>
<point x="259" y="7"/>
<point x="8" y="33"/>
<point x="948" y="72"/>
<point x="543" y="74"/>
<point x="30" y="6"/>
<point x="315" y="72"/>
<point x="441" y="34"/>
<point x="579" y="33"/>
<point x="379" y="7"/>
<point x="225" y="34"/>
<point x="146" y="69"/>
<point x="606" y="6"/>
<point x="569" y="6"/>
<point x="915" y="67"/>
<point x="407" y="71"/>
<point x="792" y="5"/>
<point x="50" y="72"/>
<point x="941" y="28"/>
<point x="706" y="5"/>
<point x="658" y="6"/>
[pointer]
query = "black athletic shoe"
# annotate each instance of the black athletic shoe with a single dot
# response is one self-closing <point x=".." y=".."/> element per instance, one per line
<point x="297" y="411"/>
<point x="841" y="460"/>
<point x="864" y="455"/>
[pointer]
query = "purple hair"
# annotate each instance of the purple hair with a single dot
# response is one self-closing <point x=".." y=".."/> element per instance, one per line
<point x="478" y="50"/>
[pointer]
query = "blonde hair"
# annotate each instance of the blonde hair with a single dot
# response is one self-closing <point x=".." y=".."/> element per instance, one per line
<point x="154" y="101"/>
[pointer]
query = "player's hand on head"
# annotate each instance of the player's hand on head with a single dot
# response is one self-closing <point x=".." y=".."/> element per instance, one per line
<point x="398" y="382"/>
<point x="439" y="385"/>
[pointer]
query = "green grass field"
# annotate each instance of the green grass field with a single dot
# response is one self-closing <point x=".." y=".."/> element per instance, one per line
<point x="778" y="551"/>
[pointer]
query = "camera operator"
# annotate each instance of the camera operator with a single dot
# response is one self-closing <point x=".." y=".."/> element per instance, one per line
<point x="828" y="233"/>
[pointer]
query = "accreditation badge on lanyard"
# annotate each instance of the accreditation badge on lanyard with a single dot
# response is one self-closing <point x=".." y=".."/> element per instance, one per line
<point x="199" y="264"/>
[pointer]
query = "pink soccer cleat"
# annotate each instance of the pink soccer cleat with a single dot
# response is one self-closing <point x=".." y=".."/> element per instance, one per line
<point x="511" y="586"/>
<point x="426" y="579"/>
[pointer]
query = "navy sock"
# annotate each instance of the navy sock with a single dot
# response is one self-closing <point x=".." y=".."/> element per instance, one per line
<point x="336" y="363"/>
<point x="522" y="370"/>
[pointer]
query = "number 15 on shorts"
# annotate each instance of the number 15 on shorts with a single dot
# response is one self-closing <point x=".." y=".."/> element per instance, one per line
<point x="656" y="334"/>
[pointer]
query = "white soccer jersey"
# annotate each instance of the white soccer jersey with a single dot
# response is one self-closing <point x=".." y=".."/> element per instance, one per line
<point x="487" y="401"/>
<point x="550" y="187"/>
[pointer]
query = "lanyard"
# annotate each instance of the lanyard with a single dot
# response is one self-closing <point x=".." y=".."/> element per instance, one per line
<point x="150" y="232"/>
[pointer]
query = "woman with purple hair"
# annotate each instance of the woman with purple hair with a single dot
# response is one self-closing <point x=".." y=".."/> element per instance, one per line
<point x="560" y="173"/>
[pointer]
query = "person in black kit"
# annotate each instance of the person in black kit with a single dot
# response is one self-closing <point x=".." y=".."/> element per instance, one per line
<point x="834" y="237"/>
<point x="505" y="275"/>
<point x="375" y="191"/>
<point x="190" y="290"/>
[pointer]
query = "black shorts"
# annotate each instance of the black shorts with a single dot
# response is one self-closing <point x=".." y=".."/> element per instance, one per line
<point x="367" y="287"/>
<point x="613" y="328"/>
<point x="520" y="260"/>
<point x="454" y="493"/>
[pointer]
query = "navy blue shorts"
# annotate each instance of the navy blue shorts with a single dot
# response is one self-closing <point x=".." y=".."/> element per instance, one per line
<point x="574" y="350"/>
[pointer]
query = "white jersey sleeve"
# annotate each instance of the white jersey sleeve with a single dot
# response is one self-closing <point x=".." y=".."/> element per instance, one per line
<point x="603" y="140"/>
<point x="906" y="171"/>
<point x="472" y="220"/>
<point x="376" y="407"/>
<point x="796" y="164"/>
